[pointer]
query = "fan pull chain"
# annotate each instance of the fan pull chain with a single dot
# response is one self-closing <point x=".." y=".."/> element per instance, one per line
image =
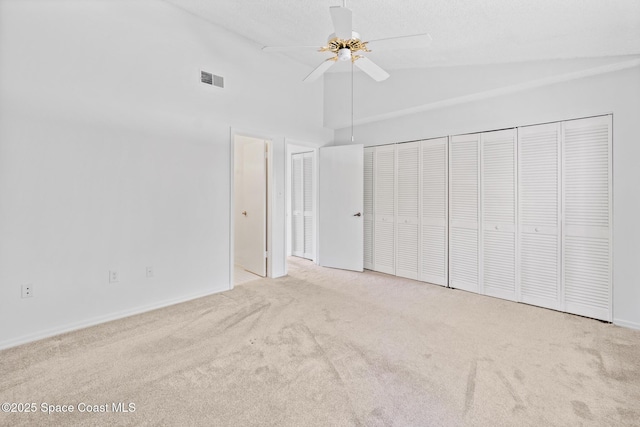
<point x="352" y="138"/>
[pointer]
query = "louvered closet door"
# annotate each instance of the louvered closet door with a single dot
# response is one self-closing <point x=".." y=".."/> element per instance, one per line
<point x="384" y="177"/>
<point x="369" y="155"/>
<point x="463" y="211"/>
<point x="297" y="206"/>
<point x="498" y="197"/>
<point x="586" y="257"/>
<point x="433" y="207"/>
<point x="307" y="195"/>
<point x="407" y="183"/>
<point x="539" y="215"/>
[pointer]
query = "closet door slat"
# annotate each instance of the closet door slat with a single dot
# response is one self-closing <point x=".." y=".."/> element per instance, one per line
<point x="407" y="186"/>
<point x="384" y="198"/>
<point x="463" y="211"/>
<point x="369" y="158"/>
<point x="498" y="197"/>
<point x="539" y="214"/>
<point x="434" y="211"/>
<point x="586" y="183"/>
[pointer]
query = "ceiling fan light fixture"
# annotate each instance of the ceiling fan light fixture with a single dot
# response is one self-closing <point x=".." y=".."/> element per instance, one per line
<point x="344" y="54"/>
<point x="345" y="45"/>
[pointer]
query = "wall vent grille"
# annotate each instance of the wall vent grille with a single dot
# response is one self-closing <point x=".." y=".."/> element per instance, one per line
<point x="206" y="77"/>
<point x="211" y="79"/>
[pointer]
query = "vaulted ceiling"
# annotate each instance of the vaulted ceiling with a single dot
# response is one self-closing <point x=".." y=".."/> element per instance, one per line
<point x="463" y="31"/>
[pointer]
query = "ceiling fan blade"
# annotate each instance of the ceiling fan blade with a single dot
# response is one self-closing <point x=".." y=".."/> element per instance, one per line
<point x="375" y="72"/>
<point x="288" y="48"/>
<point x="342" y="21"/>
<point x="415" y="41"/>
<point x="320" y="69"/>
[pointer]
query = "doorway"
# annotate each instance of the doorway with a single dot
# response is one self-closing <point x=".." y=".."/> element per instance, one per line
<point x="336" y="175"/>
<point x="303" y="212"/>
<point x="301" y="206"/>
<point x="250" y="213"/>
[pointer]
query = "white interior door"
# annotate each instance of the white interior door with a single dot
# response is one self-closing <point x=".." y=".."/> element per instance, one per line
<point x="587" y="211"/>
<point x="254" y="211"/>
<point x="434" y="210"/>
<point x="341" y="242"/>
<point x="498" y="195"/>
<point x="297" y="206"/>
<point x="307" y="206"/>
<point x="384" y="207"/>
<point x="539" y="214"/>
<point x="407" y="229"/>
<point x="369" y="159"/>
<point x="463" y="212"/>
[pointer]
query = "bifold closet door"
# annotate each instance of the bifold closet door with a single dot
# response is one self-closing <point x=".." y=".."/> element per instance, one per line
<point x="407" y="231"/>
<point x="433" y="207"/>
<point x="539" y="215"/>
<point x="463" y="211"/>
<point x="297" y="206"/>
<point x="307" y="205"/>
<point x="587" y="211"/>
<point x="384" y="227"/>
<point x="369" y="156"/>
<point x="302" y="205"/>
<point x="498" y="195"/>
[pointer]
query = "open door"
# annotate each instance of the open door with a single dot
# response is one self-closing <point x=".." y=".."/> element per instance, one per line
<point x="253" y="218"/>
<point x="341" y="243"/>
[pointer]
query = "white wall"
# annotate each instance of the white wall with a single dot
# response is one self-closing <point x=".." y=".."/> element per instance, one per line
<point x="564" y="93"/>
<point x="114" y="156"/>
<point x="418" y="90"/>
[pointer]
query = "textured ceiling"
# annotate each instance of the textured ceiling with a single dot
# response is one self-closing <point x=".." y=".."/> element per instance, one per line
<point x="463" y="31"/>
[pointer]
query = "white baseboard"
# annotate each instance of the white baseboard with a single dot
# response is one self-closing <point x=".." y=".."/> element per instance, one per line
<point x="69" y="327"/>
<point x="626" y="324"/>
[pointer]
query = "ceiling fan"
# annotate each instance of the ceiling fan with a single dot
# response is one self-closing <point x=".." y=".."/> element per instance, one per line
<point x="346" y="45"/>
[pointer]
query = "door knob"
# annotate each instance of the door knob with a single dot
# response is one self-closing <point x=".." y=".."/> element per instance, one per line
<point x="244" y="213"/>
<point x="358" y="214"/>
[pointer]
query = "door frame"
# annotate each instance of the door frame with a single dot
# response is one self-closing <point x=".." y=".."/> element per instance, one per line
<point x="233" y="132"/>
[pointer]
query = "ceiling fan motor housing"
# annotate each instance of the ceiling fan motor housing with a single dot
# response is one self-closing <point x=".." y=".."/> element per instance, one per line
<point x="344" y="49"/>
<point x="344" y="54"/>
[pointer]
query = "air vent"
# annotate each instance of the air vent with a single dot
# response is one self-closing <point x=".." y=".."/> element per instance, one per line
<point x="206" y="77"/>
<point x="211" y="79"/>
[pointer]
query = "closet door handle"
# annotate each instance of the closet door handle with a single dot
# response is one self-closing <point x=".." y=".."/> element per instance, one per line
<point x="358" y="214"/>
<point x="244" y="213"/>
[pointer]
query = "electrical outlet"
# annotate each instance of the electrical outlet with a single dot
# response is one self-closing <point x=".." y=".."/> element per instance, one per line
<point x="114" y="276"/>
<point x="149" y="272"/>
<point x="27" y="291"/>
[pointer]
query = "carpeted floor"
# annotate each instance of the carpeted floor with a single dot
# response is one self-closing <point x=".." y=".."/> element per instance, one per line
<point x="326" y="347"/>
<point x="241" y="276"/>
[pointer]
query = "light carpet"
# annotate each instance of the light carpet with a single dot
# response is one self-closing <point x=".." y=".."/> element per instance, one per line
<point x="326" y="347"/>
<point x="241" y="276"/>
